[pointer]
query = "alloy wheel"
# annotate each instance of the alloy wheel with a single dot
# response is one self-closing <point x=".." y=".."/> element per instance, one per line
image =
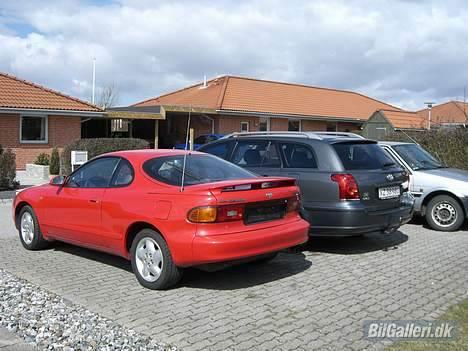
<point x="149" y="259"/>
<point x="27" y="228"/>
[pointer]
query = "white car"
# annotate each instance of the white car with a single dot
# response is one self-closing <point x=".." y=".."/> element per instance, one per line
<point x="441" y="193"/>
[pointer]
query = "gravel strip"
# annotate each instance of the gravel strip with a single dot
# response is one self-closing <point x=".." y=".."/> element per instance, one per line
<point x="53" y="323"/>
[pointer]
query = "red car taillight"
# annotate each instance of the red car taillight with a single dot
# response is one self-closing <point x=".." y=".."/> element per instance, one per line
<point x="294" y="204"/>
<point x="230" y="213"/>
<point x="211" y="214"/>
<point x="347" y="186"/>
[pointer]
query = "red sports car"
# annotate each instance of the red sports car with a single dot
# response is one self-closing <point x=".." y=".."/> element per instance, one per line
<point x="143" y="206"/>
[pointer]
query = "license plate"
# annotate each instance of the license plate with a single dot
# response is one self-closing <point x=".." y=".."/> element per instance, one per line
<point x="389" y="192"/>
<point x="267" y="213"/>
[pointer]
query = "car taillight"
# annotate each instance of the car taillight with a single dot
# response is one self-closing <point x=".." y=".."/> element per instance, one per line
<point x="347" y="186"/>
<point x="230" y="213"/>
<point x="211" y="214"/>
<point x="204" y="214"/>
<point x="294" y="204"/>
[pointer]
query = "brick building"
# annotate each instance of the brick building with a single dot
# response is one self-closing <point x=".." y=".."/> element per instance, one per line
<point x="34" y="119"/>
<point x="233" y="104"/>
<point x="447" y="114"/>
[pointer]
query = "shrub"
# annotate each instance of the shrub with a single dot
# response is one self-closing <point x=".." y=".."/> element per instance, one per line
<point x="42" y="159"/>
<point x="448" y="145"/>
<point x="7" y="169"/>
<point x="99" y="146"/>
<point x="54" y="167"/>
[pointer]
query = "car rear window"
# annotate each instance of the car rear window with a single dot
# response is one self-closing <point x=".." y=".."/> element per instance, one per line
<point x="199" y="169"/>
<point x="356" y="156"/>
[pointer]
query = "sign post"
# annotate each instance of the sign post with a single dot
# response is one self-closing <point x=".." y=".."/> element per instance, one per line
<point x="78" y="158"/>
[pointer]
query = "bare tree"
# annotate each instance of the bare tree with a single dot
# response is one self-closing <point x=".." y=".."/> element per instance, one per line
<point x="108" y="97"/>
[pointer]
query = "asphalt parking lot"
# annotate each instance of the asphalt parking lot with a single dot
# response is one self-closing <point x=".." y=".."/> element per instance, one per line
<point x="316" y="297"/>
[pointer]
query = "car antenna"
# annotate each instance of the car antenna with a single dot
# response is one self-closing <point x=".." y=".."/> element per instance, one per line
<point x="185" y="148"/>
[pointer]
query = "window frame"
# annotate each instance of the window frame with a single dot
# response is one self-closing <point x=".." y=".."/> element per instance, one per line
<point x="91" y="162"/>
<point x="268" y="124"/>
<point x="229" y="147"/>
<point x="165" y="181"/>
<point x="273" y="143"/>
<point x="295" y="120"/>
<point x="122" y="160"/>
<point x="308" y="147"/>
<point x="46" y="131"/>
<point x="245" y="123"/>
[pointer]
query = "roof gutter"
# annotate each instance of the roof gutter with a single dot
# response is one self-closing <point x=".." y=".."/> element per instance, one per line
<point x="39" y="111"/>
<point x="290" y="116"/>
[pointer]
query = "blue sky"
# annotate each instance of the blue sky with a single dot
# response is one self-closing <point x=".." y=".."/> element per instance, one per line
<point x="403" y="52"/>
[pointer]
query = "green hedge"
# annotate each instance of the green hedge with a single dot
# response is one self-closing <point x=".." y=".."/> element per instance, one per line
<point x="7" y="169"/>
<point x="54" y="167"/>
<point x="42" y="159"/>
<point x="448" y="145"/>
<point x="97" y="147"/>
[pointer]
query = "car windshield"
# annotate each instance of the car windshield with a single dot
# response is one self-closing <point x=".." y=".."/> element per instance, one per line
<point x="416" y="157"/>
<point x="356" y="156"/>
<point x="199" y="169"/>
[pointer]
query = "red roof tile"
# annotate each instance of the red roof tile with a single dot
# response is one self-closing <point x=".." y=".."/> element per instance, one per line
<point x="405" y="119"/>
<point x="448" y="112"/>
<point x="253" y="95"/>
<point x="21" y="94"/>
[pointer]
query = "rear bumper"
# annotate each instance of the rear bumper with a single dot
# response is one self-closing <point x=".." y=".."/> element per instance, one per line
<point x="359" y="221"/>
<point x="237" y="246"/>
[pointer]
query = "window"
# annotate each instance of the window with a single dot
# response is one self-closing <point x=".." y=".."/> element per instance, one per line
<point x="298" y="156"/>
<point x="199" y="169"/>
<point x="332" y="127"/>
<point x="33" y="129"/>
<point x="124" y="174"/>
<point x="294" y="125"/>
<point x="244" y="127"/>
<point x="355" y="156"/>
<point x="256" y="154"/>
<point x="264" y="124"/>
<point x="416" y="157"/>
<point x="95" y="174"/>
<point x="218" y="149"/>
<point x="380" y="133"/>
<point x="119" y="125"/>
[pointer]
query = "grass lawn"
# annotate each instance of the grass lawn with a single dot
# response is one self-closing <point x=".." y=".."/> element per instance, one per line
<point x="457" y="313"/>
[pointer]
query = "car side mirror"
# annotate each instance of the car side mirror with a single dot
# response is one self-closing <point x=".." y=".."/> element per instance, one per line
<point x="58" y="180"/>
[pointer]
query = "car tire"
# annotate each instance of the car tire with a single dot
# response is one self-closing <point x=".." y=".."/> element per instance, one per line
<point x="444" y="213"/>
<point x="152" y="261"/>
<point x="29" y="231"/>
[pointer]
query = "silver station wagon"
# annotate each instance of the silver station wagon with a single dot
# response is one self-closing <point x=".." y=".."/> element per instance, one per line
<point x="441" y="193"/>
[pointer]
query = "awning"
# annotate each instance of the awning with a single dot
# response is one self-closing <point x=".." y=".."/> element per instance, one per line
<point x="134" y="112"/>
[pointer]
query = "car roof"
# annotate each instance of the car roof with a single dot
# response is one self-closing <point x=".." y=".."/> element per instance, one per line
<point x="144" y="154"/>
<point x="311" y="135"/>
<point x="327" y="139"/>
<point x="211" y="134"/>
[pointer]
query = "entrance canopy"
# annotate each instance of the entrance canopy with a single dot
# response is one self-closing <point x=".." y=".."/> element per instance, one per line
<point x="134" y="112"/>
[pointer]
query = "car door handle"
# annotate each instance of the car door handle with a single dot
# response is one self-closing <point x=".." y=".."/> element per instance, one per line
<point x="94" y="201"/>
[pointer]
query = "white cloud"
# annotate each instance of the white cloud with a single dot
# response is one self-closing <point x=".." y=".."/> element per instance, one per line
<point x="403" y="52"/>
